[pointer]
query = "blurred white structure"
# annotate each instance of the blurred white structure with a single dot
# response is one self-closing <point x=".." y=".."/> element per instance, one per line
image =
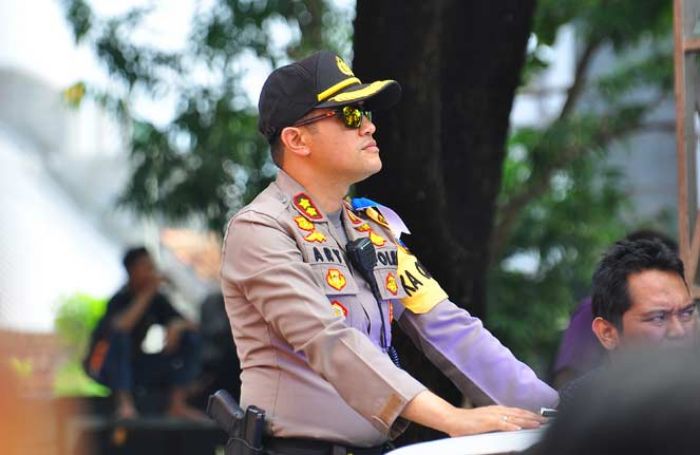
<point x="480" y="444"/>
<point x="51" y="198"/>
<point x="61" y="171"/>
<point x="647" y="160"/>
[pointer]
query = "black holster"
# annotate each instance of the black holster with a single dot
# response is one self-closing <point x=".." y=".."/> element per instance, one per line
<point x="245" y="429"/>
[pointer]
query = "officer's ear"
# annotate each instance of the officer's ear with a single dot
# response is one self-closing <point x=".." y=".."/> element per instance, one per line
<point x="294" y="140"/>
<point x="606" y="332"/>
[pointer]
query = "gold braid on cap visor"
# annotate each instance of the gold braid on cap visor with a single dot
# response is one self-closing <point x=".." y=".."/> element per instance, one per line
<point x="337" y="87"/>
<point x="371" y="89"/>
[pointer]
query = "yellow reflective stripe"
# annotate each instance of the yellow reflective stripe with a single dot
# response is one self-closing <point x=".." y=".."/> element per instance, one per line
<point x="422" y="291"/>
<point x="339" y="86"/>
<point x="371" y="89"/>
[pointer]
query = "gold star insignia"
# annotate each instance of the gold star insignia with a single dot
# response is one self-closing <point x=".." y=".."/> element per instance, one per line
<point x="315" y="237"/>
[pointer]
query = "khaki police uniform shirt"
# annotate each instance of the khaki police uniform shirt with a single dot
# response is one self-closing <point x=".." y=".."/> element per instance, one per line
<point x="307" y="327"/>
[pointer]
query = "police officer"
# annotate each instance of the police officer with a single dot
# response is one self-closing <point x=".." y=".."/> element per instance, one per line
<point x="313" y="330"/>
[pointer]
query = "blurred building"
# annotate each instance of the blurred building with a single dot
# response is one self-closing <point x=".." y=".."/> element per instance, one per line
<point x="646" y="159"/>
<point x="62" y="170"/>
<point x="58" y="234"/>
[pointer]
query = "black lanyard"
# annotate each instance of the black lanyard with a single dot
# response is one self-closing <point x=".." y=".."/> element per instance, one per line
<point x="364" y="258"/>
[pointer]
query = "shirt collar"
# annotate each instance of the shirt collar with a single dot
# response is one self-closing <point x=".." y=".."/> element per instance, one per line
<point x="299" y="198"/>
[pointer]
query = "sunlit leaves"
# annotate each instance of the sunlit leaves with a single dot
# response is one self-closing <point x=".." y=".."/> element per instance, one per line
<point x="79" y="16"/>
<point x="74" y="94"/>
<point x="575" y="207"/>
<point x="208" y="159"/>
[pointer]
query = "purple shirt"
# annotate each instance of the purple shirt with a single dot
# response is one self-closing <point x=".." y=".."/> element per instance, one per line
<point x="579" y="349"/>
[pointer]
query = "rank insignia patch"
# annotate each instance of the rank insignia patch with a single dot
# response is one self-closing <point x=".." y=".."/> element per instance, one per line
<point x="391" y="284"/>
<point x="315" y="236"/>
<point x="335" y="279"/>
<point x="303" y="223"/>
<point x="354" y="218"/>
<point x="339" y="309"/>
<point x="377" y="240"/>
<point x="363" y="228"/>
<point x="376" y="216"/>
<point x="304" y="204"/>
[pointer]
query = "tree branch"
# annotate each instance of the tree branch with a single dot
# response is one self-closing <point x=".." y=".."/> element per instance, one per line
<point x="579" y="83"/>
<point x="668" y="126"/>
<point x="508" y="212"/>
<point x="511" y="210"/>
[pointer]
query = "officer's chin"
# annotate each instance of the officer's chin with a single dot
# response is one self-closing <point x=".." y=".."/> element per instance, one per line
<point x="377" y="168"/>
<point x="369" y="173"/>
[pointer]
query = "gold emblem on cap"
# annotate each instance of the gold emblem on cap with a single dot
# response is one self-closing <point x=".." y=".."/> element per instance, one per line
<point x="343" y="67"/>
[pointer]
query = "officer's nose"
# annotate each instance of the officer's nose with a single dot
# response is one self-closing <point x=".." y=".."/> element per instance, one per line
<point x="675" y="329"/>
<point x="367" y="127"/>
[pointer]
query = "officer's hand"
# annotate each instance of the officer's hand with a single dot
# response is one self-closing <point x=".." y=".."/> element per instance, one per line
<point x="464" y="422"/>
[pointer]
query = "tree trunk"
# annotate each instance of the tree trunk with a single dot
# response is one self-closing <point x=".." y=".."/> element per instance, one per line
<point x="459" y="63"/>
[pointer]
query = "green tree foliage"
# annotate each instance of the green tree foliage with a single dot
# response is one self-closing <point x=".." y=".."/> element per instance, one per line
<point x="209" y="159"/>
<point x="558" y="202"/>
<point x="560" y="205"/>
<point x="76" y="317"/>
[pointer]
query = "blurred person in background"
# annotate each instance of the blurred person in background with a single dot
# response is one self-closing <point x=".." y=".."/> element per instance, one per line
<point x="646" y="403"/>
<point x="221" y="368"/>
<point x="116" y="357"/>
<point x="640" y="298"/>
<point x="579" y="350"/>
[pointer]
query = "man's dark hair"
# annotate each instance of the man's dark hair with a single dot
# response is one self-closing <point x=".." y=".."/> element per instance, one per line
<point x="650" y="234"/>
<point x="276" y="146"/>
<point x="276" y="151"/>
<point x="611" y="297"/>
<point x="132" y="255"/>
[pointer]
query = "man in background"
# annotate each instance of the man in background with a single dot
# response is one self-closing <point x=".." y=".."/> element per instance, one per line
<point x="116" y="356"/>
<point x="640" y="298"/>
<point x="580" y="351"/>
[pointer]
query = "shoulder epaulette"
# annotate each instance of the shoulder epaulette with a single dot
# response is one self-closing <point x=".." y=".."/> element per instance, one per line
<point x="381" y="214"/>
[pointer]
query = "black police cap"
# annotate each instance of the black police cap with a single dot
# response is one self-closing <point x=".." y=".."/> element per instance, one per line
<point x="318" y="81"/>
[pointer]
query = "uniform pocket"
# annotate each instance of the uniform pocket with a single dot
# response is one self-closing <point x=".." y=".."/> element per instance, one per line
<point x="341" y="289"/>
<point x="386" y="274"/>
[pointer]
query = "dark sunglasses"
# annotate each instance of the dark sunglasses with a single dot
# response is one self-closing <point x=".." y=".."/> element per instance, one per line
<point x="350" y="115"/>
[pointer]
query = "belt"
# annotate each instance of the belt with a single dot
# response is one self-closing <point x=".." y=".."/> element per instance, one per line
<point x="300" y="446"/>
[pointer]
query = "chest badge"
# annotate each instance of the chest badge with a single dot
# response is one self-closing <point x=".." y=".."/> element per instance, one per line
<point x="305" y="205"/>
<point x="353" y="218"/>
<point x="391" y="284"/>
<point x="335" y="279"/>
<point x="303" y="223"/>
<point x="315" y="236"/>
<point x="376" y="216"/>
<point x="339" y="309"/>
<point x="376" y="239"/>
